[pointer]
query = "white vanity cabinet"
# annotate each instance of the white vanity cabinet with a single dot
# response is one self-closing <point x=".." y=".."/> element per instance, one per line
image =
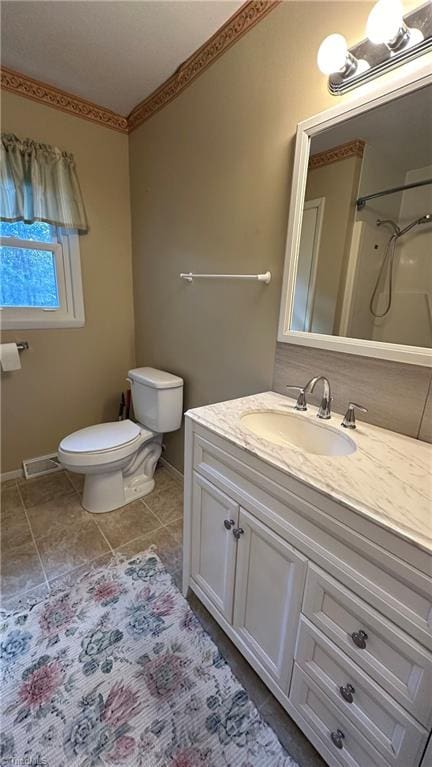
<point x="213" y="545"/>
<point x="270" y="577"/>
<point x="333" y="611"/>
<point x="253" y="577"/>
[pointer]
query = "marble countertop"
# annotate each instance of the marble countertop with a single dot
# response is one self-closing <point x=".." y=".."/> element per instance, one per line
<point x="387" y="479"/>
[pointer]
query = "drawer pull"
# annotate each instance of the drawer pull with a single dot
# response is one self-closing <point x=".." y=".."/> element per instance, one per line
<point x="347" y="692"/>
<point x="229" y="523"/>
<point x="338" y="738"/>
<point x="237" y="532"/>
<point x="359" y="638"/>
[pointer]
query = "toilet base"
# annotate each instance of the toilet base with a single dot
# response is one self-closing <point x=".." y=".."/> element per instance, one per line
<point x="127" y="479"/>
<point x="137" y="488"/>
<point x="103" y="492"/>
<point x="112" y="490"/>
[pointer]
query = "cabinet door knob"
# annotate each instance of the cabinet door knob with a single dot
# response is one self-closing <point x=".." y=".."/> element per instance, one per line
<point x="338" y="738"/>
<point x="229" y="523"/>
<point x="237" y="532"/>
<point x="347" y="692"/>
<point x="359" y="638"/>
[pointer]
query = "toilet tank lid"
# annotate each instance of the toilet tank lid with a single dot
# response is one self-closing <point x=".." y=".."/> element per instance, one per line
<point x="157" y="379"/>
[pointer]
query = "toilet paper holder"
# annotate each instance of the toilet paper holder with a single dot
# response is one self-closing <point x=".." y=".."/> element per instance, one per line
<point x="23" y="345"/>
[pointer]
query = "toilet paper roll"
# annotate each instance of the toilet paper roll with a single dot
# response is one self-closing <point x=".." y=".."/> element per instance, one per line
<point x="9" y="357"/>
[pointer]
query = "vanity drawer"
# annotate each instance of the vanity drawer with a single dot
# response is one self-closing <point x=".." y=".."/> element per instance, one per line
<point x="392" y="658"/>
<point x="332" y="726"/>
<point x="319" y="527"/>
<point x="393" y="732"/>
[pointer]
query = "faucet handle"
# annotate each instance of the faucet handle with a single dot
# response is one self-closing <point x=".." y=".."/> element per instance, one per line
<point x="349" y="421"/>
<point x="301" y="403"/>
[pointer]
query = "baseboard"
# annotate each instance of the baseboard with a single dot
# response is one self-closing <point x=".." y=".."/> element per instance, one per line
<point x="15" y="474"/>
<point x="18" y="473"/>
<point x="169" y="467"/>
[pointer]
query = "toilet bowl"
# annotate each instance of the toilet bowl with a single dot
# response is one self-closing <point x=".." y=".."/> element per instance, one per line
<point x="118" y="459"/>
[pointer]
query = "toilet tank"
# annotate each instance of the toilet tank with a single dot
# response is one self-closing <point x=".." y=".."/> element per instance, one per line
<point x="157" y="399"/>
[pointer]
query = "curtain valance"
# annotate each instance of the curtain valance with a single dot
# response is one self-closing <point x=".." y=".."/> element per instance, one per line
<point x="38" y="182"/>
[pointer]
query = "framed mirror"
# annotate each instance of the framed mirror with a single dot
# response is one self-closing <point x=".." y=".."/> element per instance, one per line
<point x="358" y="262"/>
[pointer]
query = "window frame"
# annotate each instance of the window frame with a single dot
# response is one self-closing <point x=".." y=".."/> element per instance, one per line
<point x="70" y="314"/>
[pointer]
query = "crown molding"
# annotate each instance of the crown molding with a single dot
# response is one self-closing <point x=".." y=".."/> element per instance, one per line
<point x="249" y="14"/>
<point x="21" y="85"/>
<point x="353" y="148"/>
<point x="237" y="25"/>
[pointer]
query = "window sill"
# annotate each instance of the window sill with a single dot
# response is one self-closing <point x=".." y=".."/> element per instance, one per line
<point x="41" y="324"/>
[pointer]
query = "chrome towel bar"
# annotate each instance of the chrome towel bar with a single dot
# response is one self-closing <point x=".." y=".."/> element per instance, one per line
<point x="190" y="276"/>
<point x="22" y="345"/>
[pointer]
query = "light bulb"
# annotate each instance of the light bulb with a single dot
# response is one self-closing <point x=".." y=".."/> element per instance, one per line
<point x="332" y="54"/>
<point x="415" y="36"/>
<point x="385" y="21"/>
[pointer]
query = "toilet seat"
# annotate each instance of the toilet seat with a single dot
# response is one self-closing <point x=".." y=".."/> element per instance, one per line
<point x="103" y="443"/>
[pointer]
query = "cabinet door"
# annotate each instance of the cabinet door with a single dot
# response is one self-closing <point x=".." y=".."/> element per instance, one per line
<point x="214" y="516"/>
<point x="270" y="580"/>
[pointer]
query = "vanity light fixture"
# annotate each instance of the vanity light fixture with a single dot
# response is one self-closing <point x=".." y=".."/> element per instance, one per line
<point x="392" y="39"/>
<point x="334" y="56"/>
<point x="386" y="25"/>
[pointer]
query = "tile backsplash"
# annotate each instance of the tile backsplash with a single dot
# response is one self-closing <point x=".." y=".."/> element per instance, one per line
<point x="398" y="396"/>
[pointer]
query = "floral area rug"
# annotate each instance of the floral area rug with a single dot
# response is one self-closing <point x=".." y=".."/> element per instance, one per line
<point x="117" y="670"/>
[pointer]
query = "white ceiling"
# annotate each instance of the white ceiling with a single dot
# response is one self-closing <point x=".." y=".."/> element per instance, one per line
<point x="112" y="53"/>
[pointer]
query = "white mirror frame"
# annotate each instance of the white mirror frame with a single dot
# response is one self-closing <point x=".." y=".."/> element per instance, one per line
<point x="408" y="79"/>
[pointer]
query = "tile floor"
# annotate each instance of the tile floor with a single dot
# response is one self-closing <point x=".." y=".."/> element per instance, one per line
<point x="47" y="538"/>
<point x="46" y="535"/>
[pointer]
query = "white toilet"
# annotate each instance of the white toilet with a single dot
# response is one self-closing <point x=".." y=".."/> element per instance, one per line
<point x="118" y="459"/>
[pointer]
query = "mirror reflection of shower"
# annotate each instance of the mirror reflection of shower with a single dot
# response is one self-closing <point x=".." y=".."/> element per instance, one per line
<point x="363" y="268"/>
<point x="385" y="275"/>
<point x="393" y="299"/>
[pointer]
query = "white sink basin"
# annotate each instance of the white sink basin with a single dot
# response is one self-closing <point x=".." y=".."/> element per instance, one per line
<point x="299" y="431"/>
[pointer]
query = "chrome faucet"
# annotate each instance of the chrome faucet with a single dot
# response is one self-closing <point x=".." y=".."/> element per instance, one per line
<point x="324" y="410"/>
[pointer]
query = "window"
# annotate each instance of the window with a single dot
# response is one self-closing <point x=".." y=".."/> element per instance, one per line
<point x="40" y="276"/>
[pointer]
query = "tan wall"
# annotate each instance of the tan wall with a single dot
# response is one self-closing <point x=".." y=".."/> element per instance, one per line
<point x="338" y="184"/>
<point x="210" y="182"/>
<point x="72" y="377"/>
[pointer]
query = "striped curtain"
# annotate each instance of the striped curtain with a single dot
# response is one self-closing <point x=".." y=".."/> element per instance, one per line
<point x="39" y="182"/>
